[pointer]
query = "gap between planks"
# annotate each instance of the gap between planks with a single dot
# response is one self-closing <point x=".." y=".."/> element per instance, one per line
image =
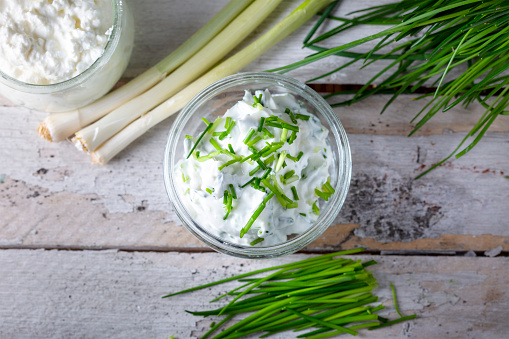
<point x="155" y="249"/>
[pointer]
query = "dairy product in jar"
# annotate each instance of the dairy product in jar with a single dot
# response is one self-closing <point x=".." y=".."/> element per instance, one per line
<point x="116" y="23"/>
<point x="49" y="41"/>
<point x="222" y="167"/>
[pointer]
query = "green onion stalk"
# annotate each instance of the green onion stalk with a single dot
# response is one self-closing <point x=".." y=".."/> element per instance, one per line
<point x="324" y="296"/>
<point x="429" y="40"/>
<point x="59" y="126"/>
<point x="94" y="135"/>
<point x="131" y="132"/>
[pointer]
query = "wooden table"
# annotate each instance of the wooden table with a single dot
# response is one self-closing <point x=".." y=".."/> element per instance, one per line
<point x="87" y="251"/>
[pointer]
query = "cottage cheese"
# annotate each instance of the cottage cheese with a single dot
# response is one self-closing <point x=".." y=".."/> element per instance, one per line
<point x="49" y="41"/>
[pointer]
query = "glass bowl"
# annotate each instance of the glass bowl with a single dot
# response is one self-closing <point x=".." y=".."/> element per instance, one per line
<point x="214" y="101"/>
<point x="87" y="86"/>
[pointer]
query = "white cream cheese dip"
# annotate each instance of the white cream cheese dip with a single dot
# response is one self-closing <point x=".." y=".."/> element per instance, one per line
<point x="50" y="41"/>
<point x="256" y="174"/>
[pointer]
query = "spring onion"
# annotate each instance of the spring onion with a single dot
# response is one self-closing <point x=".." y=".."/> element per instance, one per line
<point x="92" y="136"/>
<point x="59" y="126"/>
<point x="137" y="128"/>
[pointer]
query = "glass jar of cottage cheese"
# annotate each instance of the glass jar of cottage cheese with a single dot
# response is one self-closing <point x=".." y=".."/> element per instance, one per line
<point x="87" y="85"/>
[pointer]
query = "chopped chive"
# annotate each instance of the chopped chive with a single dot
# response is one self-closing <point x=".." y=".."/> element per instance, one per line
<point x="292" y="137"/>
<point x="280" y="161"/>
<point x="267" y="172"/>
<point x="322" y="195"/>
<point x="209" y="190"/>
<point x="294" y="192"/>
<point x="189" y="136"/>
<point x="302" y="116"/>
<point x="228" y="206"/>
<point x="292" y="205"/>
<point x="269" y="159"/>
<point x="228" y="130"/>
<point x="288" y="156"/>
<point x="257" y="101"/>
<point x="249" y="135"/>
<point x="248" y="158"/>
<point x="232" y="190"/>
<point x="254" y="141"/>
<point x="256" y="241"/>
<point x="208" y="156"/>
<point x="184" y="179"/>
<point x="197" y="154"/>
<point x="253" y="149"/>
<point x="271" y="150"/>
<point x="266" y="148"/>
<point x="291" y="179"/>
<point x="300" y="155"/>
<point x="303" y="214"/>
<point x="284" y="135"/>
<point x="267" y="132"/>
<point x="230" y="147"/>
<point x="199" y="139"/>
<point x="215" y="124"/>
<point x="225" y="197"/>
<point x="273" y="124"/>
<point x="249" y="182"/>
<point x="329" y="188"/>
<point x="256" y="169"/>
<point x="271" y="118"/>
<point x="257" y="182"/>
<point x="227" y="122"/>
<point x="216" y="134"/>
<point x="228" y="163"/>
<point x="289" y="174"/>
<point x="315" y="208"/>
<point x="261" y="164"/>
<point x="260" y="125"/>
<point x="259" y="188"/>
<point x="275" y="190"/>
<point x="288" y="200"/>
<point x="215" y="144"/>
<point x="292" y="116"/>
<point x="256" y="214"/>
<point x="205" y="121"/>
<point x="290" y="127"/>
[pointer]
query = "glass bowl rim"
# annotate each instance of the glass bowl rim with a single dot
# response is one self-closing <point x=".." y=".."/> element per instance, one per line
<point x="109" y="49"/>
<point x="341" y="144"/>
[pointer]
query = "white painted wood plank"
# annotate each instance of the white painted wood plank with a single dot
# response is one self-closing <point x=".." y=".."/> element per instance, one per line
<point x="107" y="294"/>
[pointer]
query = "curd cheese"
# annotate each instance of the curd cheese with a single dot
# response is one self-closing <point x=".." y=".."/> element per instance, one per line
<point x="50" y="41"/>
<point x="276" y="201"/>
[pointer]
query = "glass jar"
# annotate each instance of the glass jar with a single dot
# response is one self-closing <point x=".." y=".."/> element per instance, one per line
<point x="214" y="101"/>
<point x="87" y="86"/>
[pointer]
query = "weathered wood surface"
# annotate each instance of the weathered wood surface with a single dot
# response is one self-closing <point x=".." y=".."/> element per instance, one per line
<point x="52" y="196"/>
<point x="109" y="294"/>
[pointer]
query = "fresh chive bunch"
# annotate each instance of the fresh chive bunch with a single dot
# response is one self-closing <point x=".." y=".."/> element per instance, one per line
<point x="324" y="295"/>
<point x="269" y="161"/>
<point x="440" y="36"/>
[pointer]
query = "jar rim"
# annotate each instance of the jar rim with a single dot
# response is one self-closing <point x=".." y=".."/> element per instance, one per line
<point x="109" y="49"/>
<point x="326" y="216"/>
